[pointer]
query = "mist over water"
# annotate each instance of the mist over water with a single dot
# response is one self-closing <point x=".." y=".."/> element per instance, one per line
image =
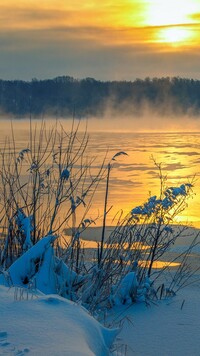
<point x="147" y="121"/>
<point x="135" y="176"/>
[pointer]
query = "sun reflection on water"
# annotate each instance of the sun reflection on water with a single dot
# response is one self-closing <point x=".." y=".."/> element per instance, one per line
<point x="134" y="177"/>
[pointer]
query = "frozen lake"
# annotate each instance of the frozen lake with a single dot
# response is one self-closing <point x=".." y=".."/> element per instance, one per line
<point x="135" y="176"/>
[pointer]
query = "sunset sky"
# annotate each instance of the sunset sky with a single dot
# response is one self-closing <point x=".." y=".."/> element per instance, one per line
<point x="107" y="39"/>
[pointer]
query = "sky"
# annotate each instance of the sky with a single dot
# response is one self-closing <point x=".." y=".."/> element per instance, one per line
<point x="106" y="40"/>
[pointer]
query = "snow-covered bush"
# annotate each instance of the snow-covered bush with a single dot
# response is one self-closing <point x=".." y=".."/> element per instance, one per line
<point x="123" y="272"/>
<point x="41" y="189"/>
<point x="40" y="269"/>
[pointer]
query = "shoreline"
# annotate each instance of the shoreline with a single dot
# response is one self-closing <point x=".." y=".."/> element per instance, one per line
<point x="94" y="233"/>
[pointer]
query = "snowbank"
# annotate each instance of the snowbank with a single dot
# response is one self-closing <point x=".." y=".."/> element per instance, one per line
<point x="46" y="324"/>
<point x="40" y="269"/>
<point x="49" y="325"/>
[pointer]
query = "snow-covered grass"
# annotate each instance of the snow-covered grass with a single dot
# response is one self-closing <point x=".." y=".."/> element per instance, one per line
<point x="167" y="328"/>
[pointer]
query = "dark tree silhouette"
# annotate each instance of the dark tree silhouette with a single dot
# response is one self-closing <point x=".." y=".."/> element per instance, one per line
<point x="59" y="97"/>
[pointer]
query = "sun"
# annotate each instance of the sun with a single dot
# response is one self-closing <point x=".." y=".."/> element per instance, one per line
<point x="174" y="35"/>
<point x="173" y="19"/>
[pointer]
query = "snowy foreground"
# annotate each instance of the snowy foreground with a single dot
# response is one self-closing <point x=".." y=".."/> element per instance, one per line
<point x="169" y="328"/>
<point x="42" y="323"/>
<point x="51" y="325"/>
<point x="48" y="325"/>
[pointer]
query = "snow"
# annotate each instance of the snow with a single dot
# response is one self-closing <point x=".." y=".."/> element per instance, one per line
<point x="49" y="325"/>
<point x="36" y="264"/>
<point x="45" y="324"/>
<point x="126" y="291"/>
<point x="40" y="269"/>
<point x="24" y="225"/>
<point x="153" y="204"/>
<point x="65" y="174"/>
<point x="169" y="327"/>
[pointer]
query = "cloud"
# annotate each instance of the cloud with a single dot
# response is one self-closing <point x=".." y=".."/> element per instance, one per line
<point x="24" y="18"/>
<point x="196" y="161"/>
<point x="195" y="17"/>
<point x="70" y="42"/>
<point x="77" y="13"/>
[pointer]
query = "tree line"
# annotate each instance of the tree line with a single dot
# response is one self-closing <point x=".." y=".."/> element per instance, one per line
<point x="65" y="96"/>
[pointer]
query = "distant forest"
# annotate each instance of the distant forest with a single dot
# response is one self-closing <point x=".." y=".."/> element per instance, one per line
<point x="65" y="96"/>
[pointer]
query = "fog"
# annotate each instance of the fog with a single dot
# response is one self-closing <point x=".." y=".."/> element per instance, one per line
<point x="148" y="123"/>
<point x="144" y="124"/>
<point x="129" y="116"/>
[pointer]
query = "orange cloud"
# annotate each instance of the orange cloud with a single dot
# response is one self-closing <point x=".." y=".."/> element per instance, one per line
<point x="88" y="13"/>
<point x="98" y="33"/>
<point x="108" y="22"/>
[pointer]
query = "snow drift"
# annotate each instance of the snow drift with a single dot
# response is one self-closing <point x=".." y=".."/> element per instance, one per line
<point x="49" y="325"/>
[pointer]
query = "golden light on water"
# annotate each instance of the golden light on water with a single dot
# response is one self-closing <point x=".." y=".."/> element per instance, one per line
<point x="134" y="176"/>
<point x="159" y="264"/>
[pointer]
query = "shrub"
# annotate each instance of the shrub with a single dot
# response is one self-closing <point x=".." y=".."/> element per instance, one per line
<point x="43" y="185"/>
